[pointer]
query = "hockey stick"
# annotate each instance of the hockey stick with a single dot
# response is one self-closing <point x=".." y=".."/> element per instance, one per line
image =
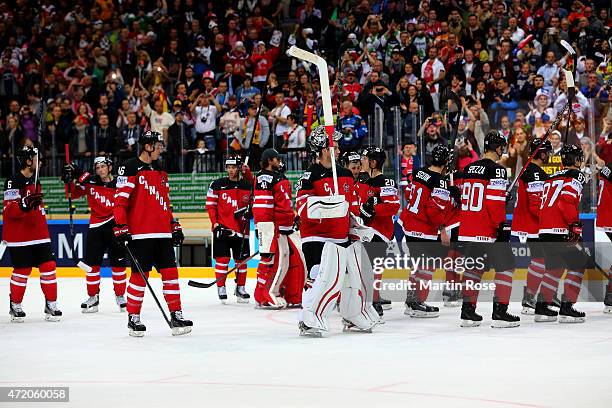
<point x="139" y="268"/>
<point x="71" y="210"/>
<point x="328" y="115"/>
<point x="3" y="246"/>
<point x="571" y="90"/>
<point x="235" y="268"/>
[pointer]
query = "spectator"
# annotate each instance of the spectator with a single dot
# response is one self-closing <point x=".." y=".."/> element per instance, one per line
<point x="466" y="154"/>
<point x="129" y="137"/>
<point x="409" y="163"/>
<point x="254" y="133"/>
<point x="433" y="71"/>
<point x="105" y="137"/>
<point x="430" y="132"/>
<point x="179" y="144"/>
<point x="229" y="122"/>
<point x="352" y="127"/>
<point x="549" y="71"/>
<point x="246" y="92"/>
<point x="505" y="101"/>
<point x="294" y="136"/>
<point x="540" y="113"/>
<point x="277" y="118"/>
<point x="159" y="118"/>
<point x="206" y="119"/>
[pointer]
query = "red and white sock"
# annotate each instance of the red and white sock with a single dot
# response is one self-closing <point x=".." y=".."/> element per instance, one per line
<point x="470" y="279"/>
<point x="93" y="281"/>
<point x="571" y="285"/>
<point x="535" y="274"/>
<point x="550" y="284"/>
<point x="135" y="292"/>
<point x="241" y="275"/>
<point x="19" y="280"/>
<point x="451" y="275"/>
<point x="376" y="296"/>
<point x="503" y="286"/>
<point x="119" y="280"/>
<point x="221" y="270"/>
<point x="48" y="281"/>
<point x="420" y="280"/>
<point x="171" y="291"/>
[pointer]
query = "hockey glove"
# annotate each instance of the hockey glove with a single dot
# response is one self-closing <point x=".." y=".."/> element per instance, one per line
<point x="455" y="194"/>
<point x="122" y="235"/>
<point x="244" y="213"/>
<point x="84" y="178"/>
<point x="503" y="232"/>
<point x="574" y="232"/>
<point x="296" y="223"/>
<point x="221" y="232"/>
<point x="177" y="234"/>
<point x="367" y="210"/>
<point x="68" y="172"/>
<point x="30" y="201"/>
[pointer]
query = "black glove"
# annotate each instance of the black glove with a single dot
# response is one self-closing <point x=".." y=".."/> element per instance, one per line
<point x="296" y="223"/>
<point x="221" y="232"/>
<point x="122" y="235"/>
<point x="503" y="232"/>
<point x="177" y="234"/>
<point x="244" y="213"/>
<point x="31" y="201"/>
<point x="69" y="172"/>
<point x="367" y="210"/>
<point x="455" y="194"/>
<point x="574" y="232"/>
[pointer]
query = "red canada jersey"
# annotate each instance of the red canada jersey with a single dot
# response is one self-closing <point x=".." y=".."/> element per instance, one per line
<point x="428" y="204"/>
<point x="100" y="199"/>
<point x="526" y="218"/>
<point x="387" y="207"/>
<point x="272" y="200"/>
<point x="142" y="201"/>
<point x="483" y="201"/>
<point x="604" y="204"/>
<point x="22" y="228"/>
<point x="560" y="201"/>
<point x="362" y="187"/>
<point x="318" y="181"/>
<point x="453" y="213"/>
<point x="224" y="197"/>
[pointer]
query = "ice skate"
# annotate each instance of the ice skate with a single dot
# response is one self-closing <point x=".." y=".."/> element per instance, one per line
<point x="608" y="303"/>
<point x="121" y="303"/>
<point x="309" y="331"/>
<point x="528" y="303"/>
<point x="179" y="324"/>
<point x="452" y="298"/>
<point x="502" y="319"/>
<point x="16" y="312"/>
<point x="52" y="313"/>
<point x="386" y="304"/>
<point x="421" y="309"/>
<point x="469" y="317"/>
<point x="91" y="304"/>
<point x="543" y="312"/>
<point x="241" y="295"/>
<point x="137" y="329"/>
<point x="379" y="309"/>
<point x="567" y="314"/>
<point x="348" y="326"/>
<point x="222" y="292"/>
<point x="556" y="303"/>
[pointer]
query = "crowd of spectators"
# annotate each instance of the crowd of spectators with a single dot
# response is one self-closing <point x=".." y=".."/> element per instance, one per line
<point x="214" y="75"/>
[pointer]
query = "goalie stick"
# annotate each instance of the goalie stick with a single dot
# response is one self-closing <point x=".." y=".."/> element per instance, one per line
<point x="235" y="268"/>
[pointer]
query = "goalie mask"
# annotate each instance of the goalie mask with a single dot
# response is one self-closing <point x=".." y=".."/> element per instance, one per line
<point x="319" y="139"/>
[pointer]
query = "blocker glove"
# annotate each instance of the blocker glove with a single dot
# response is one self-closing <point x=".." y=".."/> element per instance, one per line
<point x="221" y="232"/>
<point x="177" y="234"/>
<point x="30" y="201"/>
<point x="122" y="235"/>
<point x="68" y="172"/>
<point x="503" y="232"/>
<point x="367" y="210"/>
<point x="574" y="233"/>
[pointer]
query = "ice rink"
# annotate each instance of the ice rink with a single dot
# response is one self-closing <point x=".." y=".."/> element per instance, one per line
<point x="243" y="357"/>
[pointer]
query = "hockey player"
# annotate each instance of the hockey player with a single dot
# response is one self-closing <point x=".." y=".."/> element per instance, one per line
<point x="100" y="191"/>
<point x="144" y="220"/>
<point x="333" y="269"/>
<point x="27" y="236"/>
<point x="451" y="295"/>
<point x="281" y="271"/>
<point x="352" y="161"/>
<point x="526" y="218"/>
<point x="560" y="230"/>
<point x="604" y="221"/>
<point x="422" y="219"/>
<point x="228" y="203"/>
<point x="379" y="203"/>
<point x="482" y="223"/>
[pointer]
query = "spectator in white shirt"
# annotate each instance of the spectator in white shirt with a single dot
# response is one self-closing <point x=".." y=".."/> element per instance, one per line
<point x="205" y="116"/>
<point x="277" y="118"/>
<point x="517" y="32"/>
<point x="159" y="120"/>
<point x="550" y="71"/>
<point x="433" y="71"/>
<point x="295" y="135"/>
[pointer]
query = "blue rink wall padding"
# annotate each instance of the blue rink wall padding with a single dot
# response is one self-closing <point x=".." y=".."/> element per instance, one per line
<point x="59" y="230"/>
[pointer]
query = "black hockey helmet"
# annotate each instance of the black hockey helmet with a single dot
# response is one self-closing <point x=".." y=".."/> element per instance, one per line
<point x="348" y="157"/>
<point x="570" y="154"/>
<point x="318" y="139"/>
<point x="151" y="137"/>
<point x="541" y="145"/>
<point x="102" y="160"/>
<point x="24" y="154"/>
<point x="493" y="140"/>
<point x="378" y="154"/>
<point x="233" y="161"/>
<point x="441" y="155"/>
<point x="269" y="154"/>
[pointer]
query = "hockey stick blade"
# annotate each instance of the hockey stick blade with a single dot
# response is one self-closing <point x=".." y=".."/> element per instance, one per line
<point x="203" y="285"/>
<point x="568" y="47"/>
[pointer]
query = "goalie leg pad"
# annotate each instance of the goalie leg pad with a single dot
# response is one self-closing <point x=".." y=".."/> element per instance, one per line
<point x="318" y="301"/>
<point x="352" y="301"/>
<point x="266" y="235"/>
<point x="266" y="273"/>
<point x="358" y="261"/>
<point x="293" y="284"/>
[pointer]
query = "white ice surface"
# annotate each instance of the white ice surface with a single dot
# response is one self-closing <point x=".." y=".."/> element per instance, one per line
<point x="238" y="356"/>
